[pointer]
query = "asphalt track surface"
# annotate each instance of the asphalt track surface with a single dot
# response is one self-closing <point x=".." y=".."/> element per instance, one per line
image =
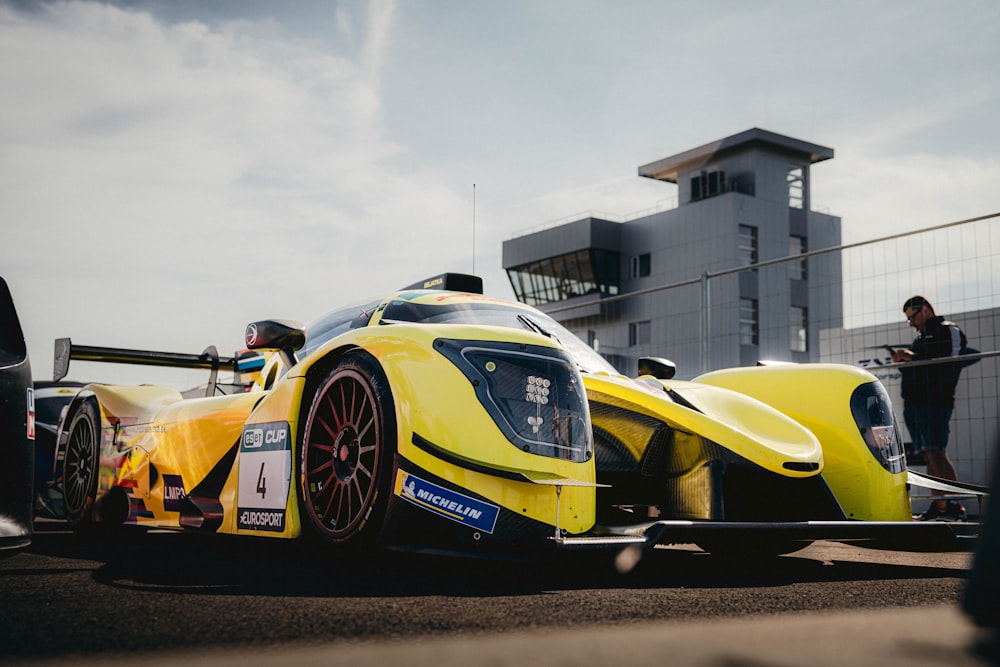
<point x="163" y="598"/>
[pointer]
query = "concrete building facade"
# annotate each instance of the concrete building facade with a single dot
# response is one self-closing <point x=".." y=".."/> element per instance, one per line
<point x="742" y="200"/>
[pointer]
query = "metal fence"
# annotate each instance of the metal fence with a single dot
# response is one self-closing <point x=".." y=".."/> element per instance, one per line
<point x="956" y="266"/>
<point x="700" y="321"/>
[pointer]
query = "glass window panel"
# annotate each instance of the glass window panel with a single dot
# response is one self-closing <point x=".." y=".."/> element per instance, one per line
<point x="747" y="245"/>
<point x="795" y="187"/>
<point x="566" y="276"/>
<point x="799" y="329"/>
<point x="748" y="322"/>
<point x="797" y="246"/>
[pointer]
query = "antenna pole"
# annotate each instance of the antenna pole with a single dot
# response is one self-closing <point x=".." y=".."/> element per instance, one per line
<point x="473" y="229"/>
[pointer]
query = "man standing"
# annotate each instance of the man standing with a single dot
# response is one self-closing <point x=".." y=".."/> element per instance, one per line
<point x="929" y="396"/>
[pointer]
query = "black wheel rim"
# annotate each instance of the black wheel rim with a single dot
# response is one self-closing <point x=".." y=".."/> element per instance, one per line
<point x="80" y="466"/>
<point x="341" y="455"/>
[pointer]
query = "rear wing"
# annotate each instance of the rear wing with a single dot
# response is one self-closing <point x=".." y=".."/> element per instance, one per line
<point x="209" y="360"/>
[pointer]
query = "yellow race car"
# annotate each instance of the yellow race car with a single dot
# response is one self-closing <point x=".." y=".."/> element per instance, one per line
<point x="438" y="417"/>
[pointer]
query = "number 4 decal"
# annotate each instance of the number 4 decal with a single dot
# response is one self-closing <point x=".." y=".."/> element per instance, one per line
<point x="265" y="476"/>
<point x="262" y="482"/>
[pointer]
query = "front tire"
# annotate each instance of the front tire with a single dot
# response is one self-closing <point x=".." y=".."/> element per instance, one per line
<point x="81" y="465"/>
<point x="346" y="457"/>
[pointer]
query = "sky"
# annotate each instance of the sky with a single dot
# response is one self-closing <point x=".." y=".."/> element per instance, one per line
<point x="173" y="170"/>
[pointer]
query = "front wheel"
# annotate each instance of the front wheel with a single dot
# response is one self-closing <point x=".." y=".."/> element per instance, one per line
<point x="346" y="458"/>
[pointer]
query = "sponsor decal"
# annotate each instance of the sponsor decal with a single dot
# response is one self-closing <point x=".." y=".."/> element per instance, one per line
<point x="139" y="429"/>
<point x="173" y="493"/>
<point x="261" y="519"/>
<point x="31" y="413"/>
<point x="257" y="437"/>
<point x="265" y="476"/>
<point x="250" y="364"/>
<point x="447" y="503"/>
<point x="253" y="438"/>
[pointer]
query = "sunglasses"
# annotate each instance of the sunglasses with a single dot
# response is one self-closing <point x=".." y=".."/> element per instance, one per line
<point x="909" y="318"/>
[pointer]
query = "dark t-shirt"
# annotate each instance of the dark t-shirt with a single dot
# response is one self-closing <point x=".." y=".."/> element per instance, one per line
<point x="934" y="384"/>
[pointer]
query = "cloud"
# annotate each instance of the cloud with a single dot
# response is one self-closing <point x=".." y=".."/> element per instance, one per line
<point x="161" y="184"/>
<point x="881" y="194"/>
<point x="380" y="17"/>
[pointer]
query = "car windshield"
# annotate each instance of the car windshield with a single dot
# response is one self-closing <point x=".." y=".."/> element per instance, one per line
<point x="497" y="313"/>
<point x="333" y="324"/>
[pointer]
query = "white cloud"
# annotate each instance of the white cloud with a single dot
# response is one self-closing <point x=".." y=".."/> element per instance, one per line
<point x="163" y="184"/>
<point x="881" y="194"/>
<point x="380" y="15"/>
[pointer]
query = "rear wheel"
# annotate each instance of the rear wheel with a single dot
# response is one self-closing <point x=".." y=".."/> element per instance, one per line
<point x="346" y="458"/>
<point x="81" y="463"/>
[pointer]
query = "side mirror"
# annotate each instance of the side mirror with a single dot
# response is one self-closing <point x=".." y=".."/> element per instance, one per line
<point x="661" y="369"/>
<point x="285" y="336"/>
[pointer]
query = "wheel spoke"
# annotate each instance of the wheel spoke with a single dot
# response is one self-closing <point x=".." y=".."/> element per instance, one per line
<point x="365" y="470"/>
<point x="332" y="432"/>
<point x="367" y="461"/>
<point x="349" y="412"/>
<point x="337" y="426"/>
<point x="355" y="484"/>
<point x="326" y="465"/>
<point x="364" y="430"/>
<point x="330" y="490"/>
<point x="343" y="495"/>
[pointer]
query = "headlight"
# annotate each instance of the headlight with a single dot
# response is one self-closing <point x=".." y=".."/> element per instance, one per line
<point x="534" y="394"/>
<point x="872" y="412"/>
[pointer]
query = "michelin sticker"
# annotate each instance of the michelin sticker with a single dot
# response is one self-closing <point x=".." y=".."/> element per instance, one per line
<point x="265" y="477"/>
<point x="447" y="503"/>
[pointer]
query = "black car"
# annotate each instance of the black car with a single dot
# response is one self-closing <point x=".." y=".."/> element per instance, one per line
<point x="17" y="431"/>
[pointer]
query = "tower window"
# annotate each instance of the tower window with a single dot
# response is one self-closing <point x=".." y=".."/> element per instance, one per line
<point x="797" y="246"/>
<point x="567" y="276"/>
<point x="799" y="329"/>
<point x="640" y="265"/>
<point x="749" y="327"/>
<point x="747" y="245"/>
<point x="708" y="184"/>
<point x="795" y="188"/>
<point x="638" y="333"/>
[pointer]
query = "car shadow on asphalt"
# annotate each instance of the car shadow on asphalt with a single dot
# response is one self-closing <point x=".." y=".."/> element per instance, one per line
<point x="195" y="563"/>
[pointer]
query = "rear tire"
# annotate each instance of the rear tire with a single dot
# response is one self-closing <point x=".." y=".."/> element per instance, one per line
<point x="81" y="465"/>
<point x="346" y="455"/>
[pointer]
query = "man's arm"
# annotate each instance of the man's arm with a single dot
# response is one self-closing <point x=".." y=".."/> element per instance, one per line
<point x="900" y="355"/>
